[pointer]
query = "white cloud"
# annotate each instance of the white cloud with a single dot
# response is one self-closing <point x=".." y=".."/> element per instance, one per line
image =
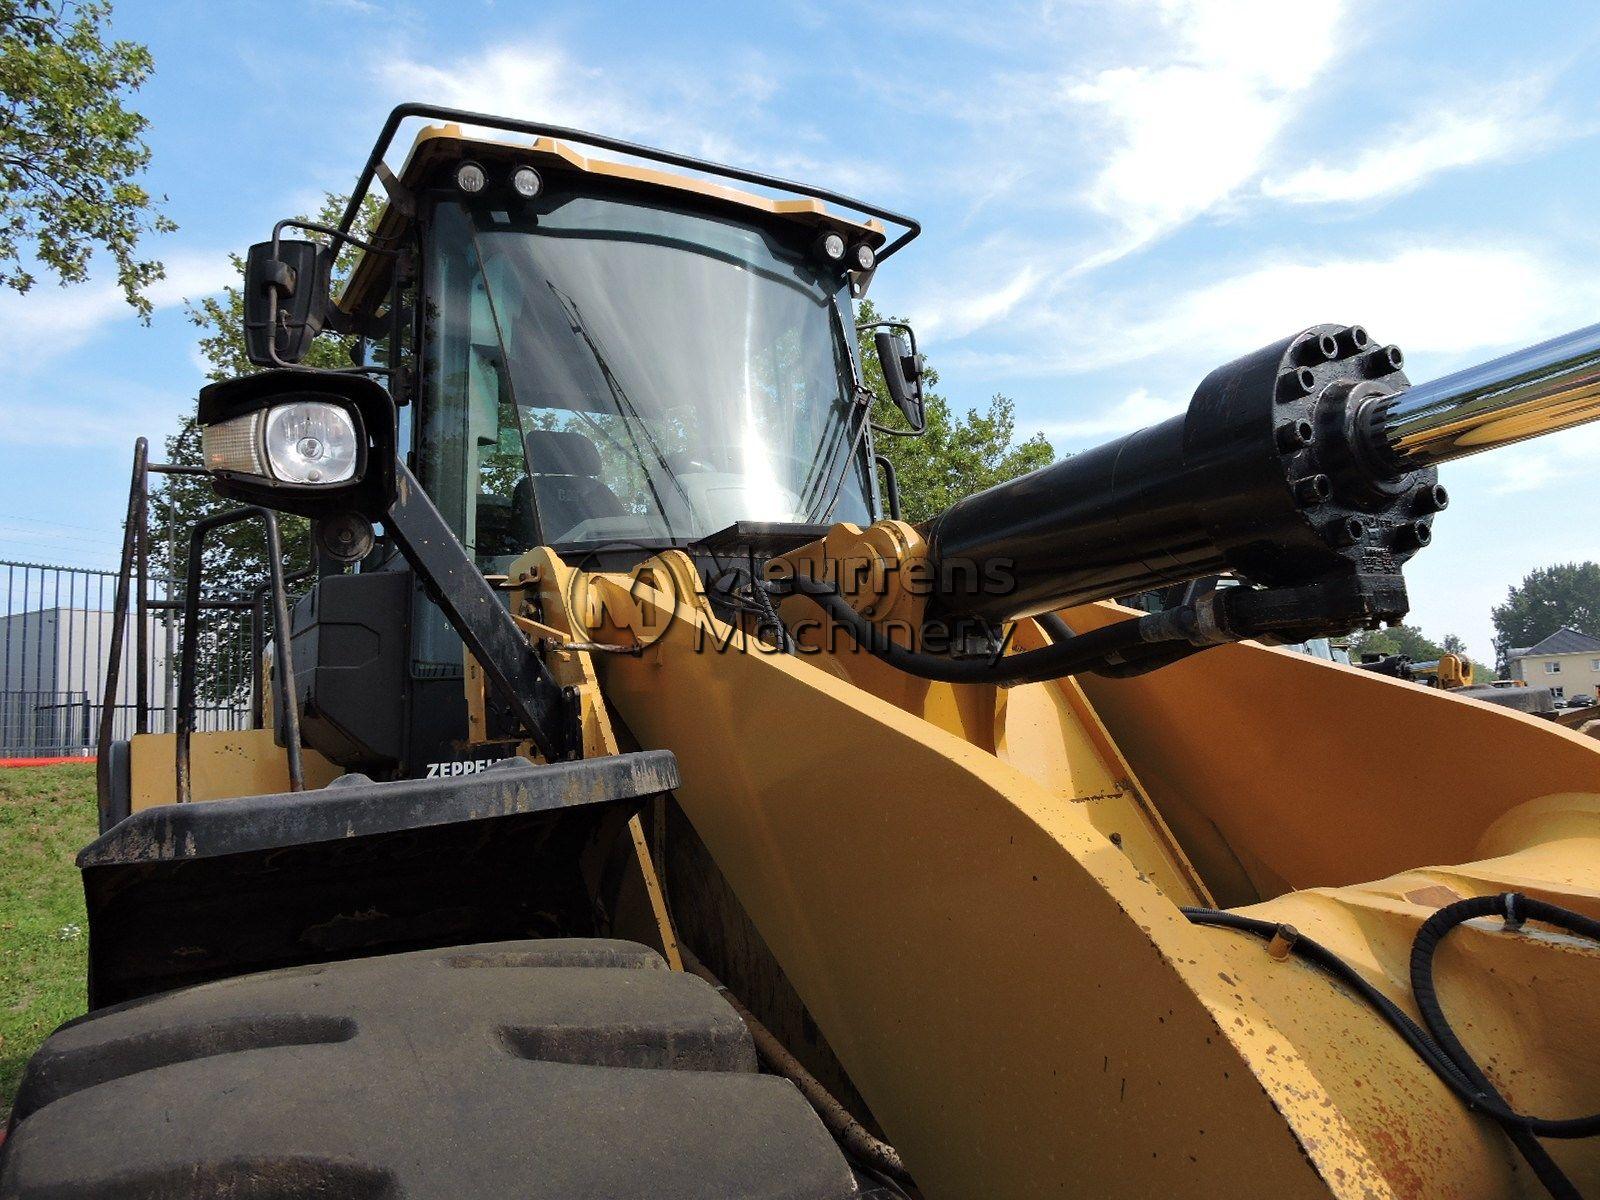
<point x="1184" y="131"/>
<point x="49" y="321"/>
<point x="953" y="314"/>
<point x="694" y="112"/>
<point x="90" y="412"/>
<point x="1134" y="411"/>
<point x="1571" y="454"/>
<point x="1447" y="301"/>
<point x="1500" y="123"/>
<point x="536" y="82"/>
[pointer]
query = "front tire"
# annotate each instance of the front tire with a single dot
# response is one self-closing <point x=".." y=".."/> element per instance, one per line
<point x="553" y="1070"/>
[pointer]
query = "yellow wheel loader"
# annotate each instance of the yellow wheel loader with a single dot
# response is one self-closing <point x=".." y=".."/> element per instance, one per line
<point x="638" y="808"/>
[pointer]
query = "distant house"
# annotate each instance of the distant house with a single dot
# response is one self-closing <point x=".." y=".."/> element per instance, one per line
<point x="1567" y="662"/>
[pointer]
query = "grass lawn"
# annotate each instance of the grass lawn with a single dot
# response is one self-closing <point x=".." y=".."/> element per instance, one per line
<point x="47" y="814"/>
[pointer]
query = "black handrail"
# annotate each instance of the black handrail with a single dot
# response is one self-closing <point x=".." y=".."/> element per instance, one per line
<point x="891" y="483"/>
<point x="538" y="129"/>
<point x="258" y="641"/>
<point x="191" y="630"/>
<point x="119" y="619"/>
<point x="134" y="570"/>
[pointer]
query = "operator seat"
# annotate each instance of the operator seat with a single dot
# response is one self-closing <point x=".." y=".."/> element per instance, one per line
<point x="563" y="487"/>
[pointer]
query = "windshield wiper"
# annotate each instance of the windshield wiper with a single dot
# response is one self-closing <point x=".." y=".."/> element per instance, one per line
<point x="633" y="423"/>
<point x="863" y="397"/>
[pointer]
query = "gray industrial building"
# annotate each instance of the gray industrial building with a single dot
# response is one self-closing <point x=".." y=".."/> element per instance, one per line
<point x="52" y="675"/>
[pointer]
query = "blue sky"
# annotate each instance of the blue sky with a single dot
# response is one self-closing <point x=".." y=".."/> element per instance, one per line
<point x="1117" y="197"/>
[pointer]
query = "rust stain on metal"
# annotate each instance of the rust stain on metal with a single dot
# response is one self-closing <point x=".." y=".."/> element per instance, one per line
<point x="1433" y="896"/>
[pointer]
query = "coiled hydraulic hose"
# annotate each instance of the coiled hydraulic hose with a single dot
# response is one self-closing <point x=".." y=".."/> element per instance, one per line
<point x="1078" y="652"/>
<point x="1443" y="1052"/>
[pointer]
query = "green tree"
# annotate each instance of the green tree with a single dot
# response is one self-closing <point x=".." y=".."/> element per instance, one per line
<point x="1397" y="639"/>
<point x="1567" y="594"/>
<point x="955" y="456"/>
<point x="71" y="151"/>
<point x="1414" y="644"/>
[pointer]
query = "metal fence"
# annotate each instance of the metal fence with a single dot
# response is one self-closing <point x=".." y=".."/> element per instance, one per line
<point x="55" y="644"/>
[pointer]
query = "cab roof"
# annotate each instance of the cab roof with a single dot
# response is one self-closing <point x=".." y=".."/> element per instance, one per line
<point x="438" y="147"/>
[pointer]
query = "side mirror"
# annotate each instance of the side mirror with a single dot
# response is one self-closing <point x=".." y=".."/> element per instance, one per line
<point x="286" y="299"/>
<point x="315" y="443"/>
<point x="902" y="372"/>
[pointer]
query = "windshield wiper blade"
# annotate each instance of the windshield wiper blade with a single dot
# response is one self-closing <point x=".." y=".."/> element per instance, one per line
<point x="863" y="397"/>
<point x="634" y="423"/>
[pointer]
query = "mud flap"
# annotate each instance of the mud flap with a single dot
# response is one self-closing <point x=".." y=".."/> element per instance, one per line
<point x="181" y="894"/>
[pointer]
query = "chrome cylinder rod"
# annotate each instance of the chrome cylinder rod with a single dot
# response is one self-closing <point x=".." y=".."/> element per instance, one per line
<point x="1539" y="390"/>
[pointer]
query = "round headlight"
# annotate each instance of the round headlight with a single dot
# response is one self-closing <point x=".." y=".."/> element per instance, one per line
<point x="470" y="177"/>
<point x="311" y="442"/>
<point x="526" y="183"/>
<point x="831" y="247"/>
<point x="862" y="257"/>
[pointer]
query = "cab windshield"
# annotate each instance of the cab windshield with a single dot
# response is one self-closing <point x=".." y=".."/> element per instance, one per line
<point x="603" y="369"/>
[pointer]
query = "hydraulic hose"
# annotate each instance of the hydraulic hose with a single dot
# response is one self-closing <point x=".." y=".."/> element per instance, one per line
<point x="1079" y="652"/>
<point x="1443" y="1052"/>
<point x="1138" y="661"/>
<point x="1515" y="908"/>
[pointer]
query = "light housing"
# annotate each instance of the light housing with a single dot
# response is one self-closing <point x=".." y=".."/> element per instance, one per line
<point x="302" y="441"/>
<point x="311" y="441"/>
<point x="862" y="257"/>
<point x="234" y="446"/>
<point x="470" y="178"/>
<point x="308" y="443"/>
<point x="526" y="182"/>
<point x="830" y="246"/>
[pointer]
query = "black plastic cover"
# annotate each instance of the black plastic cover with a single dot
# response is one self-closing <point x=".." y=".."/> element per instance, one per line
<point x="298" y="280"/>
<point x="189" y="892"/>
<point x="351" y="650"/>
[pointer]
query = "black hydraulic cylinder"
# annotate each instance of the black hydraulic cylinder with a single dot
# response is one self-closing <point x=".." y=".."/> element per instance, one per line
<point x="1271" y="474"/>
<point x="1111" y="521"/>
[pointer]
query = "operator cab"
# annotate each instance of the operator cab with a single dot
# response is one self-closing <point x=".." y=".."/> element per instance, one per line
<point x="609" y="354"/>
<point x="592" y="355"/>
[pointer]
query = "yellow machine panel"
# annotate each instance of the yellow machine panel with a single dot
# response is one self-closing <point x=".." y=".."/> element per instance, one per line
<point x="228" y="762"/>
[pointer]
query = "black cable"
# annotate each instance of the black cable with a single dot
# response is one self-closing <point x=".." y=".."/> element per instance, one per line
<point x="1137" y="661"/>
<point x="1153" y="659"/>
<point x="1443" y="1052"/>
<point x="769" y="610"/>
<point x="1514" y="908"/>
<point x="1058" y="629"/>
<point x="1079" y="652"/>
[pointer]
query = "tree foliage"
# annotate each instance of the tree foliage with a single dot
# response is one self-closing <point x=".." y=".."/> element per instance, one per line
<point x="71" y="150"/>
<point x="956" y="456"/>
<point x="1566" y="594"/>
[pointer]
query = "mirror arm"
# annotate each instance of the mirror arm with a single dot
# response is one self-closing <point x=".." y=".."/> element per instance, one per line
<point x="281" y="281"/>
<point x="339" y="237"/>
<point x="401" y="197"/>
